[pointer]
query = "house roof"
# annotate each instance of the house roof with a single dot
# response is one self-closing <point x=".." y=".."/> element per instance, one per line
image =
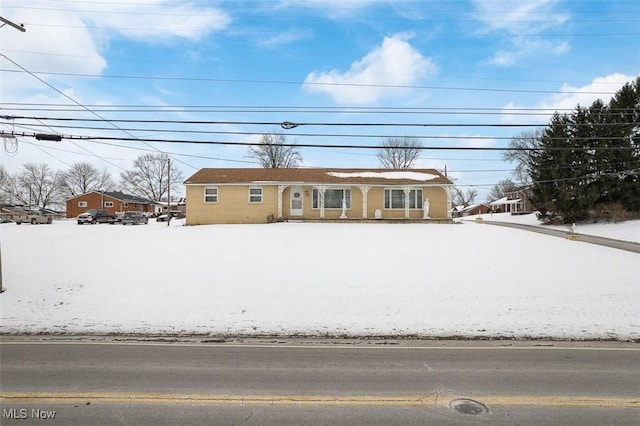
<point x="504" y="201"/>
<point x="462" y="209"/>
<point x="318" y="176"/>
<point x="127" y="198"/>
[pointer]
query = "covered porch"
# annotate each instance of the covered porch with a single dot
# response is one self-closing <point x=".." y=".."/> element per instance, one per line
<point x="324" y="202"/>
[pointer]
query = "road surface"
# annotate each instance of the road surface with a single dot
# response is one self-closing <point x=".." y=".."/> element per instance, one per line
<point x="603" y="241"/>
<point x="181" y="381"/>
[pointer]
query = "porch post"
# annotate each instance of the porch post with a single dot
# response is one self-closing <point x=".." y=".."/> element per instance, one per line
<point x="407" y="191"/>
<point x="448" y="191"/>
<point x="321" y="190"/>
<point x="281" y="189"/>
<point x="364" y="190"/>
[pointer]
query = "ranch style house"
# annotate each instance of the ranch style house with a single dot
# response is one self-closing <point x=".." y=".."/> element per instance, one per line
<point x="262" y="195"/>
<point x="112" y="202"/>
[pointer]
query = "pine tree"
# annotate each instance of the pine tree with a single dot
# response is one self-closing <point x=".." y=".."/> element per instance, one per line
<point x="561" y="170"/>
<point x="623" y="175"/>
<point x="590" y="158"/>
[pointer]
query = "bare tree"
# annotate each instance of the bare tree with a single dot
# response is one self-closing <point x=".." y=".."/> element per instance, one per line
<point x="522" y="155"/>
<point x="464" y="197"/>
<point x="149" y="177"/>
<point x="399" y="152"/>
<point x="11" y="190"/>
<point x="38" y="185"/>
<point x="84" y="177"/>
<point x="7" y="185"/>
<point x="275" y="153"/>
<point x="500" y="189"/>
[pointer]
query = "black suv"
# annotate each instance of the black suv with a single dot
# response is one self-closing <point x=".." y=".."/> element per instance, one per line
<point x="134" y="218"/>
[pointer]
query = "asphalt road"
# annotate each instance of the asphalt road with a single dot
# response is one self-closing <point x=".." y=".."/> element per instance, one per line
<point x="106" y="381"/>
<point x="603" y="241"/>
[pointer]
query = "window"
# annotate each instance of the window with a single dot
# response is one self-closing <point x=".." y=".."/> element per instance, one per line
<point x="108" y="203"/>
<point x="255" y="195"/>
<point x="394" y="199"/>
<point x="332" y="198"/>
<point x="211" y="195"/>
<point x="125" y="204"/>
<point x="82" y="204"/>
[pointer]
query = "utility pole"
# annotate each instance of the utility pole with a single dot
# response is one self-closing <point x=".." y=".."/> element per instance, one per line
<point x="168" y="190"/>
<point x="19" y="28"/>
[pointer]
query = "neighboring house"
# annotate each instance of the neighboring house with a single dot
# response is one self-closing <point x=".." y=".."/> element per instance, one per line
<point x="513" y="202"/>
<point x="112" y="202"/>
<point x="473" y="209"/>
<point x="178" y="207"/>
<point x="265" y="195"/>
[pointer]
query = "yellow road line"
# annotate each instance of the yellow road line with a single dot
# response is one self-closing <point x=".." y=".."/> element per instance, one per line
<point x="631" y="347"/>
<point x="205" y="399"/>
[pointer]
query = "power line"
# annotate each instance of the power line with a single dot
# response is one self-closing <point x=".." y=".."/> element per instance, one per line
<point x="298" y="134"/>
<point x="281" y="123"/>
<point x="348" y="146"/>
<point x="300" y="83"/>
<point x="78" y="103"/>
<point x="205" y="157"/>
<point x="281" y="108"/>
<point x="201" y="157"/>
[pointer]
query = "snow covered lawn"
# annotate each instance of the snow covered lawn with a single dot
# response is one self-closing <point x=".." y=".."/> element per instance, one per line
<point x="466" y="280"/>
<point x="626" y="231"/>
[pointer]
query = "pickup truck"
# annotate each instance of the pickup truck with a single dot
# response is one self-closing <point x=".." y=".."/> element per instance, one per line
<point x="32" y="217"/>
<point x="96" y="216"/>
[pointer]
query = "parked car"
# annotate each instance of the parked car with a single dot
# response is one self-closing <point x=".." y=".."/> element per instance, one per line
<point x="95" y="216"/>
<point x="33" y="217"/>
<point x="134" y="218"/>
<point x="174" y="215"/>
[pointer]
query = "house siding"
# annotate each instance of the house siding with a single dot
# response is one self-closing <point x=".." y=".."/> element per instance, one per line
<point x="95" y="200"/>
<point x="233" y="205"/>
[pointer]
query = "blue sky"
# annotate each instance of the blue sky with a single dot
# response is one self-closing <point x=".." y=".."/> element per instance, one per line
<point x="392" y="65"/>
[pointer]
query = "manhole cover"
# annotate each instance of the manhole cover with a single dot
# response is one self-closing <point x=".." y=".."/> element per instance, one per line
<point x="468" y="406"/>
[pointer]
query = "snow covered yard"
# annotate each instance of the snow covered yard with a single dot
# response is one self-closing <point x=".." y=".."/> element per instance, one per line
<point x="626" y="231"/>
<point x="465" y="280"/>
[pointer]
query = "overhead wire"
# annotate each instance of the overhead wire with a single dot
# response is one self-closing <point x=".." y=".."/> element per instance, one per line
<point x="289" y="123"/>
<point x="350" y="146"/>
<point x="80" y="104"/>
<point x="299" y="83"/>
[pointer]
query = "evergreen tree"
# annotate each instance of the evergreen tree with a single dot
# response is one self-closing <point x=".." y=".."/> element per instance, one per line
<point x="622" y="175"/>
<point x="589" y="158"/>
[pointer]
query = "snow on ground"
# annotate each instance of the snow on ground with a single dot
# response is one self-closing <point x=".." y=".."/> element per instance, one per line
<point x="464" y="280"/>
<point x="626" y="231"/>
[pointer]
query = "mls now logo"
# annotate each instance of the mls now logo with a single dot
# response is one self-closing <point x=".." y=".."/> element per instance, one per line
<point x="14" y="413"/>
<point x="23" y="413"/>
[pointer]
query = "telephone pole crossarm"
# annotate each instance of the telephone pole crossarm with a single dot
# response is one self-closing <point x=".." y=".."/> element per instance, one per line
<point x="19" y="27"/>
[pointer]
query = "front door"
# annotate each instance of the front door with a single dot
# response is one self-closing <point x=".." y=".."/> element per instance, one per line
<point x="296" y="201"/>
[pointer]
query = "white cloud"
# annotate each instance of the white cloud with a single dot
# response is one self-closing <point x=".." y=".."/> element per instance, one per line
<point x="527" y="47"/>
<point x="524" y="24"/>
<point x="155" y="19"/>
<point x="69" y="38"/>
<point x="517" y="17"/>
<point x="569" y="97"/>
<point x="600" y="88"/>
<point x="333" y="8"/>
<point x="64" y="45"/>
<point x="394" y="63"/>
<point x="285" y="38"/>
